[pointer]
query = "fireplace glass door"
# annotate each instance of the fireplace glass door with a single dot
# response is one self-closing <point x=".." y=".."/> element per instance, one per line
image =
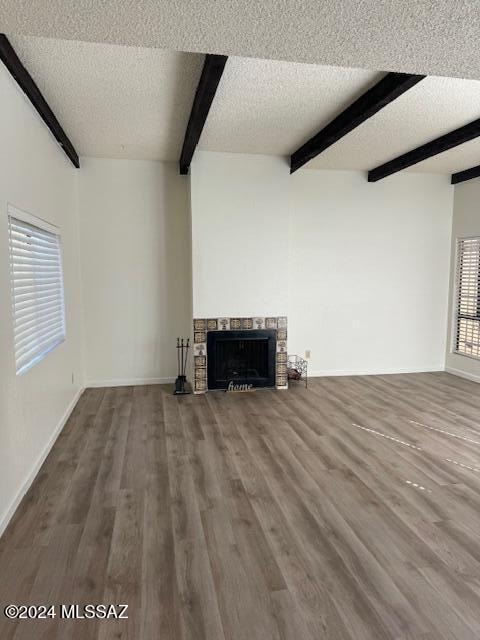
<point x="241" y="358"/>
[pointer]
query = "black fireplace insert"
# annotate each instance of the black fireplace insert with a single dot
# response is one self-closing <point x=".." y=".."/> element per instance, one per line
<point x="241" y="358"/>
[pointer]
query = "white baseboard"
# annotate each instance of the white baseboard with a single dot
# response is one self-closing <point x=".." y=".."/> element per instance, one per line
<point x="373" y="372"/>
<point x="129" y="382"/>
<point x="462" y="374"/>
<point x="5" y="519"/>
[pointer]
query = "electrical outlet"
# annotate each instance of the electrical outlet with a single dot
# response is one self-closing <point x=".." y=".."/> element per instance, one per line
<point x="307" y="354"/>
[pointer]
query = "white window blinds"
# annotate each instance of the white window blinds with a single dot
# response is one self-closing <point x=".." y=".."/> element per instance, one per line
<point x="467" y="338"/>
<point x="37" y="288"/>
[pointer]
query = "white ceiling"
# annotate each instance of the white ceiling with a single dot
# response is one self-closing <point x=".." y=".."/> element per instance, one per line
<point x="106" y="96"/>
<point x="116" y="101"/>
<point x="272" y="107"/>
<point x="430" y="109"/>
<point x="431" y="36"/>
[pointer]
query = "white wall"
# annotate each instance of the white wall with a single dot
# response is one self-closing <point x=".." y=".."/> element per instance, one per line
<point x="360" y="269"/>
<point x="35" y="176"/>
<point x="135" y="251"/>
<point x="239" y="235"/>
<point x="368" y="271"/>
<point x="466" y="222"/>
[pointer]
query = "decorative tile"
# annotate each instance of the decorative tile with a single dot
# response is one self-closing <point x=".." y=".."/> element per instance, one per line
<point x="199" y="325"/>
<point x="202" y="326"/>
<point x="200" y="349"/>
<point x="200" y="361"/>
<point x="224" y="324"/>
<point x="281" y="346"/>
<point x="259" y="323"/>
<point x="200" y="385"/>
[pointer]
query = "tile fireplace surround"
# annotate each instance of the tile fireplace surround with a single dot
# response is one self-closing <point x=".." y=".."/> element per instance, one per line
<point x="201" y="326"/>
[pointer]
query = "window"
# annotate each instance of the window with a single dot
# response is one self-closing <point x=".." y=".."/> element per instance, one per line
<point x="467" y="334"/>
<point x="37" y="288"/>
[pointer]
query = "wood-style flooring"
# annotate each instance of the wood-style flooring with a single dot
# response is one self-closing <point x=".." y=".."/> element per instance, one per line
<point x="348" y="511"/>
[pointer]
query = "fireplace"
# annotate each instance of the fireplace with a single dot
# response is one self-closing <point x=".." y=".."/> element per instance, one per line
<point x="241" y="358"/>
<point x="241" y="351"/>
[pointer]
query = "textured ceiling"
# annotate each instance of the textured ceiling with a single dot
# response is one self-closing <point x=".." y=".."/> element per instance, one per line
<point x="430" y="109"/>
<point x="109" y="96"/>
<point x="431" y="36"/>
<point x="272" y="107"/>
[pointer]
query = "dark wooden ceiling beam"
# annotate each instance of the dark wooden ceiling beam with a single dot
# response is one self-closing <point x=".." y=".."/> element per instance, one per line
<point x="428" y="150"/>
<point x="383" y="93"/>
<point x="467" y="174"/>
<point x="33" y="93"/>
<point x="207" y="86"/>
